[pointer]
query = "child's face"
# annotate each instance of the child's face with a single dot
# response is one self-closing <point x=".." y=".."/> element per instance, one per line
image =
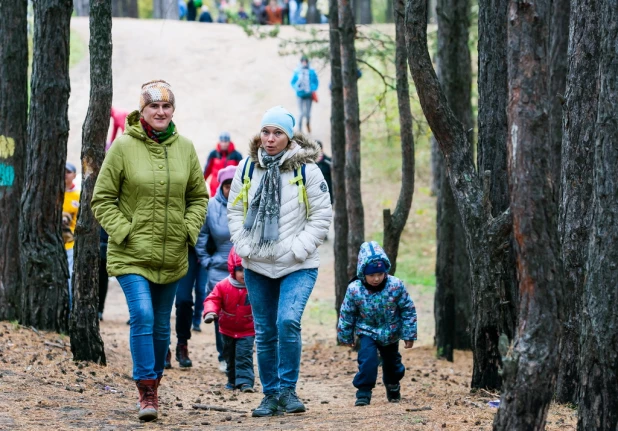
<point x="375" y="279"/>
<point x="240" y="276"/>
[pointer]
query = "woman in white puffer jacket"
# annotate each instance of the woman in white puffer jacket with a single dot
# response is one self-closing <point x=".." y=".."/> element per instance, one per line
<point x="277" y="219"/>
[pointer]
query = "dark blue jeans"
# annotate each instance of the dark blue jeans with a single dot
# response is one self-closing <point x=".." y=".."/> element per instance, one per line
<point x="278" y="305"/>
<point x="150" y="308"/>
<point x="196" y="277"/>
<point x="368" y="362"/>
<point x="238" y="353"/>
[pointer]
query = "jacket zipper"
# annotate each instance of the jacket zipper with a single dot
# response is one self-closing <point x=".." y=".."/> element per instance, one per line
<point x="167" y="197"/>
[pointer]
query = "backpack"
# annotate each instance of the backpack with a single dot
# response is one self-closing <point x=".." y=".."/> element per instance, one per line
<point x="300" y="179"/>
<point x="303" y="85"/>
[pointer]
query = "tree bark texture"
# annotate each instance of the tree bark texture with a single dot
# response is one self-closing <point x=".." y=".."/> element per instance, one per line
<point x="580" y="116"/>
<point x="492" y="157"/>
<point x="13" y="127"/>
<point x="491" y="148"/>
<point x="558" y="64"/>
<point x="486" y="236"/>
<point x="82" y="7"/>
<point x="395" y="223"/>
<point x="598" y="402"/>
<point x="530" y="367"/>
<point x="165" y="9"/>
<point x="453" y="308"/>
<point x="354" y="204"/>
<point x="124" y="8"/>
<point x="44" y="296"/>
<point x="338" y="147"/>
<point x="86" y="342"/>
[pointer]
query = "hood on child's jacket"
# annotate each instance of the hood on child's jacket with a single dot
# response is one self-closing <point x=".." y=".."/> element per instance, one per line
<point x="370" y="252"/>
<point x="233" y="260"/>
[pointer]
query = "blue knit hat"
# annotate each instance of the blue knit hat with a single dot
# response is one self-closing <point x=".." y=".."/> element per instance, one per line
<point x="375" y="267"/>
<point x="280" y="117"/>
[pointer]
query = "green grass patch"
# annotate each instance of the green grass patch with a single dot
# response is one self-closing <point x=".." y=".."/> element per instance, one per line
<point x="77" y="48"/>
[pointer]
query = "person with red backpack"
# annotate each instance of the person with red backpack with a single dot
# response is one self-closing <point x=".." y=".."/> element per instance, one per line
<point x="223" y="156"/>
<point x="229" y="303"/>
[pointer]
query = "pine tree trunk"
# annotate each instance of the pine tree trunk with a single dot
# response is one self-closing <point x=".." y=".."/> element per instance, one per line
<point x="395" y="223"/>
<point x="452" y="264"/>
<point x="599" y="344"/>
<point x="580" y="115"/>
<point x="44" y="296"/>
<point x="13" y="127"/>
<point x="86" y="342"/>
<point x="354" y="204"/>
<point x="530" y="367"/>
<point x="495" y="310"/>
<point x="485" y="235"/>
<point x="337" y="142"/>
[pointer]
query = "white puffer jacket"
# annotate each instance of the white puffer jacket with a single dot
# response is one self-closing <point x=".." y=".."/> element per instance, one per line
<point x="299" y="236"/>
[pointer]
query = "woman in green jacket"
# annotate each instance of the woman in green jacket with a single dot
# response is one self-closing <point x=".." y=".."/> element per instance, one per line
<point x="151" y="199"/>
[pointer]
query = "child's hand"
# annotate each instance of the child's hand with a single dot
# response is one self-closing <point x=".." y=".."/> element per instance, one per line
<point x="408" y="344"/>
<point x="210" y="317"/>
<point x="346" y="345"/>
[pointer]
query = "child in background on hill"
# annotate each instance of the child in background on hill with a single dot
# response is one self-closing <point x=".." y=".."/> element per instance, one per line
<point x="378" y="309"/>
<point x="229" y="303"/>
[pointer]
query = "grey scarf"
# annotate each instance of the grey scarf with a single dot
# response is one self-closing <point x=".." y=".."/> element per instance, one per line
<point x="262" y="222"/>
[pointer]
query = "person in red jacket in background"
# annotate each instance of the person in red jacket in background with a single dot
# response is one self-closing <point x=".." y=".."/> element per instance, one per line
<point x="119" y="119"/>
<point x="223" y="156"/>
<point x="229" y="303"/>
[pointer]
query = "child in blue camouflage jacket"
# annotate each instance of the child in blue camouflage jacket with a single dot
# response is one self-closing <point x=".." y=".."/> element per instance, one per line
<point x="378" y="309"/>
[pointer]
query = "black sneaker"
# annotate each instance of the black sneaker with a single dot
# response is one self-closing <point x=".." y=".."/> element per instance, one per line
<point x="393" y="393"/>
<point x="289" y="401"/>
<point x="362" y="401"/>
<point x="168" y="359"/>
<point x="268" y="407"/>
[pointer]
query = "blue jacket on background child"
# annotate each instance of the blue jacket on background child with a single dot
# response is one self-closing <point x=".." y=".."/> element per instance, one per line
<point x="378" y="309"/>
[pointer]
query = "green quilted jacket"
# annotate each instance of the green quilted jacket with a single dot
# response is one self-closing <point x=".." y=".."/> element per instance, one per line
<point x="151" y="199"/>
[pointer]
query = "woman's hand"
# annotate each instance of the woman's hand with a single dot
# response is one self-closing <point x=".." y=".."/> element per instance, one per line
<point x="408" y="344"/>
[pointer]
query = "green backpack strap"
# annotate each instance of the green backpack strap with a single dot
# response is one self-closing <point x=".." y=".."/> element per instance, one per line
<point x="247" y="173"/>
<point x="300" y="180"/>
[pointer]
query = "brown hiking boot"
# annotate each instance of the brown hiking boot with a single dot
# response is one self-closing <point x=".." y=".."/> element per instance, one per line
<point x="182" y="356"/>
<point x="148" y="399"/>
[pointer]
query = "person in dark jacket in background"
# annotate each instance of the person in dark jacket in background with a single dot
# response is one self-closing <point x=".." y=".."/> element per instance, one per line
<point x="259" y="12"/>
<point x="205" y="16"/>
<point x="191" y="10"/>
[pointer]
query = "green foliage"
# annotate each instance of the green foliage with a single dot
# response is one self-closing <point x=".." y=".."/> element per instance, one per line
<point x="145" y="8"/>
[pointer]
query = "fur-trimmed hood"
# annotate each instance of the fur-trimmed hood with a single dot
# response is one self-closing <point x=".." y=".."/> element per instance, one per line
<point x="301" y="150"/>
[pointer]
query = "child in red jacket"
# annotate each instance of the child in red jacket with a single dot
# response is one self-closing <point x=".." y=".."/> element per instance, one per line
<point x="229" y="303"/>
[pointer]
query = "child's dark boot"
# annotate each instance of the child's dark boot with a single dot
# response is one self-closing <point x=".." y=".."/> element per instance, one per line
<point x="268" y="407"/>
<point x="363" y="398"/>
<point x="393" y="393"/>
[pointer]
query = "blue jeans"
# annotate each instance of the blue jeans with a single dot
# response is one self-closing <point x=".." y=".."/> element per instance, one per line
<point x="368" y="362"/>
<point x="150" y="308"/>
<point x="238" y="353"/>
<point x="278" y="306"/>
<point x="196" y="277"/>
